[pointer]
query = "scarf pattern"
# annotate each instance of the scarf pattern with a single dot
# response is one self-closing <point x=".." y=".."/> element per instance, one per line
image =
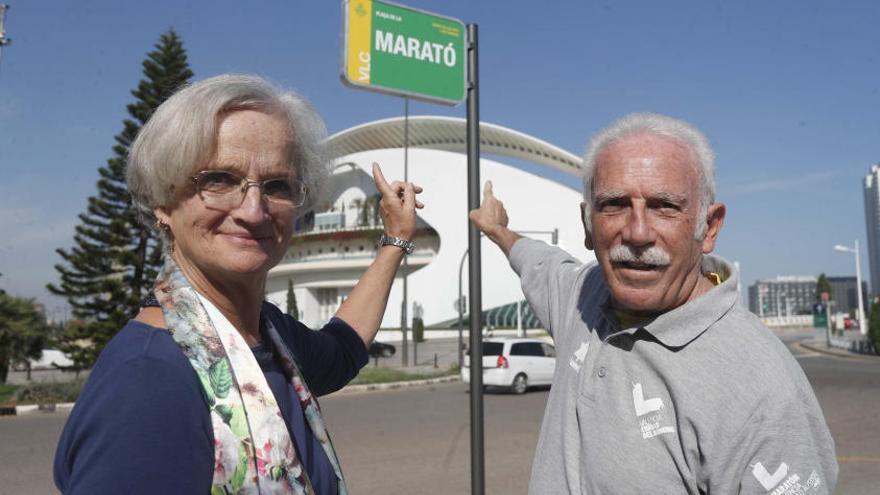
<point x="253" y="450"/>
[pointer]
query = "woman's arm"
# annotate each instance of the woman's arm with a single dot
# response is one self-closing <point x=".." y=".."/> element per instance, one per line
<point x="364" y="307"/>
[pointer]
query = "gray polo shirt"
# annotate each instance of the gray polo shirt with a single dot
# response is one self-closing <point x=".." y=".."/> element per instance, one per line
<point x="703" y="399"/>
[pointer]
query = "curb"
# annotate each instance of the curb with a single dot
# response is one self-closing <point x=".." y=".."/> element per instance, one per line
<point x="375" y="387"/>
<point x="32" y="408"/>
<point x="810" y="345"/>
<point x="352" y="389"/>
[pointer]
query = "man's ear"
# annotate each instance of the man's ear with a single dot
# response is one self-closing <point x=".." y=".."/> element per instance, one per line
<point x="588" y="237"/>
<point x="714" y="222"/>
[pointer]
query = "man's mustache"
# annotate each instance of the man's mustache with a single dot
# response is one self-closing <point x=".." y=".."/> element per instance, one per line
<point x="651" y="256"/>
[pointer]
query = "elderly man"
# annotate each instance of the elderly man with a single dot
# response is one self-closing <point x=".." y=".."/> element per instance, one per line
<point x="664" y="383"/>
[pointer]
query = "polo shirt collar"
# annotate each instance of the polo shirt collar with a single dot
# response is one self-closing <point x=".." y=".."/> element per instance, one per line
<point x="679" y="327"/>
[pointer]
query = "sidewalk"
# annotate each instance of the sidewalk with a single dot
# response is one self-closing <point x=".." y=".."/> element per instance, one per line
<point x="821" y="346"/>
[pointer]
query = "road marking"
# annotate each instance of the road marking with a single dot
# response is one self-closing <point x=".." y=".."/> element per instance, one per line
<point x="806" y="355"/>
<point x="858" y="458"/>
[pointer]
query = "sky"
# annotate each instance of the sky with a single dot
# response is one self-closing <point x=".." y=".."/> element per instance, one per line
<point x="788" y="92"/>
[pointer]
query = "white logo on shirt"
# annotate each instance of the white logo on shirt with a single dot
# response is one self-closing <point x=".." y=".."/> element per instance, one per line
<point x="644" y="406"/>
<point x="791" y="486"/>
<point x="577" y="359"/>
<point x="767" y="480"/>
<point x="650" y="423"/>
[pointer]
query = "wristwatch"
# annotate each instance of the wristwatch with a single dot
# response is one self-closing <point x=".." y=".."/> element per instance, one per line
<point x="389" y="240"/>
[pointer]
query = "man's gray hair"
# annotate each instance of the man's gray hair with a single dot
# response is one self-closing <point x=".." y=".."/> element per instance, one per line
<point x="663" y="126"/>
<point x="181" y="137"/>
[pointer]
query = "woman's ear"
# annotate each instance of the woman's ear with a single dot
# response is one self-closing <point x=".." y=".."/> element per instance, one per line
<point x="162" y="216"/>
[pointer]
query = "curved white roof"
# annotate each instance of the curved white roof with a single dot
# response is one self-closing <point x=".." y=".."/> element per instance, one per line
<point x="449" y="134"/>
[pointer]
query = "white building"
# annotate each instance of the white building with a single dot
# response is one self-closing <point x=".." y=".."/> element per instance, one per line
<point x="333" y="247"/>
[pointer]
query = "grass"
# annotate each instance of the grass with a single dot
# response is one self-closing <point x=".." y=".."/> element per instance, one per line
<point x="7" y="392"/>
<point x="369" y="375"/>
<point x="55" y="392"/>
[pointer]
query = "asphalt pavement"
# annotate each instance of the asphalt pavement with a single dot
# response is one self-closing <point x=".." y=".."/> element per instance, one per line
<point x="416" y="440"/>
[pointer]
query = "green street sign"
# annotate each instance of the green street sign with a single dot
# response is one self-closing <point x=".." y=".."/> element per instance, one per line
<point x="403" y="51"/>
<point x="820" y="316"/>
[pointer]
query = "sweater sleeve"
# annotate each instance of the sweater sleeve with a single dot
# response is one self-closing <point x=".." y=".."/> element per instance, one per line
<point x="140" y="426"/>
<point x="329" y="358"/>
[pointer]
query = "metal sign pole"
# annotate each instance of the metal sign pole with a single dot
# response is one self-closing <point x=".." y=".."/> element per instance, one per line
<point x="478" y="482"/>
<point x="403" y="308"/>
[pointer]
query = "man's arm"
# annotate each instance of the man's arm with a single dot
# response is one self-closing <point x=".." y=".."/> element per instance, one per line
<point x="491" y="219"/>
<point x="783" y="447"/>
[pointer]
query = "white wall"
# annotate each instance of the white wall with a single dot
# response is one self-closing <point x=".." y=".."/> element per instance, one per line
<point x="532" y="203"/>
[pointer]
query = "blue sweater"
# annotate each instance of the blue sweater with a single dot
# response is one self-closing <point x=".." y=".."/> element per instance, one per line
<point x="141" y="424"/>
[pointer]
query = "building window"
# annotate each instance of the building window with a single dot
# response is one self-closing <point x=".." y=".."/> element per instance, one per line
<point x="328" y="303"/>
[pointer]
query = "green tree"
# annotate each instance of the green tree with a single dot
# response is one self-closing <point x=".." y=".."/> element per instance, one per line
<point x="874" y="326"/>
<point x="822" y="285"/>
<point x="23" y="331"/>
<point x="373" y="202"/>
<point x="114" y="258"/>
<point x="292" y="308"/>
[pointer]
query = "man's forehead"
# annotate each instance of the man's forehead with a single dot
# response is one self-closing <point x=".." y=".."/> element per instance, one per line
<point x="655" y="164"/>
<point x="648" y="145"/>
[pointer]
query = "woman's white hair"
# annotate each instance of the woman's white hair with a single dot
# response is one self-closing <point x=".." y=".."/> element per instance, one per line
<point x="663" y="126"/>
<point x="181" y="137"/>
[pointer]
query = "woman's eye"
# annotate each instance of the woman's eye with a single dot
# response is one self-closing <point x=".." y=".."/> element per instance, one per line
<point x="277" y="188"/>
<point x="214" y="180"/>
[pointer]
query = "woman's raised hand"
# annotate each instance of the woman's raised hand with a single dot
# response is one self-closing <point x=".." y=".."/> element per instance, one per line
<point x="398" y="205"/>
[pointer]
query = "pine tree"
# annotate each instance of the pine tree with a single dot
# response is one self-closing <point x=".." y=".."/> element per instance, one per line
<point x="874" y="326"/>
<point x="822" y="285"/>
<point x="292" y="308"/>
<point x="115" y="259"/>
<point x="23" y="331"/>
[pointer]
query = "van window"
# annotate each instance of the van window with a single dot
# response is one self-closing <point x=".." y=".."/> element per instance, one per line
<point x="526" y="349"/>
<point x="490" y="349"/>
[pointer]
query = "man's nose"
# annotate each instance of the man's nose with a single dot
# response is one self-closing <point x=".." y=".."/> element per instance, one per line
<point x="638" y="230"/>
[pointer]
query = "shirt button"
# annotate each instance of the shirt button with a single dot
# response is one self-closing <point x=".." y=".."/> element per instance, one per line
<point x="601" y="372"/>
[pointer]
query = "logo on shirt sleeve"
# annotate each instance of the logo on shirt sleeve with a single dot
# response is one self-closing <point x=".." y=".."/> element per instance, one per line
<point x="791" y="486"/>
<point x="650" y="413"/>
<point x="577" y="359"/>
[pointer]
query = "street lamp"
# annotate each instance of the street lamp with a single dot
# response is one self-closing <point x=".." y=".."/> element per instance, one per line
<point x="863" y="329"/>
<point x="3" y="39"/>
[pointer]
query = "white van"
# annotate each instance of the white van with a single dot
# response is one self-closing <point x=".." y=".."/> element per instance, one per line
<point x="514" y="363"/>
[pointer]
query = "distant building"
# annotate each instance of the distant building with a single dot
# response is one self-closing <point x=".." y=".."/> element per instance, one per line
<point x="872" y="222"/>
<point x="333" y="245"/>
<point x="783" y="296"/>
<point x="843" y="293"/>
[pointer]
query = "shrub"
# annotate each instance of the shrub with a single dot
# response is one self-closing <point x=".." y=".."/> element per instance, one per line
<point x="49" y="392"/>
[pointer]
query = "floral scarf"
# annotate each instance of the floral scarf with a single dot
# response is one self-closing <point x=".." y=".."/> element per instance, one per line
<point x="253" y="450"/>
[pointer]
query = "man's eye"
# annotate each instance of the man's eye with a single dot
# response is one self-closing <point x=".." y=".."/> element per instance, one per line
<point x="611" y="206"/>
<point x="669" y="207"/>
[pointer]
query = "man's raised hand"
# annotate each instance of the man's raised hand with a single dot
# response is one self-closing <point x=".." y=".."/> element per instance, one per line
<point x="491" y="219"/>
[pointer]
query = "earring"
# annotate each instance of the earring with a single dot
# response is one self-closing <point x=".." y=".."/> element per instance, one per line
<point x="167" y="239"/>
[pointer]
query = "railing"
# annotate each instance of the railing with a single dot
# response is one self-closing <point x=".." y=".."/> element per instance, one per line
<point x="419" y="253"/>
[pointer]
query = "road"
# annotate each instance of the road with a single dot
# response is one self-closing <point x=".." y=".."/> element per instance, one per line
<point x="416" y="441"/>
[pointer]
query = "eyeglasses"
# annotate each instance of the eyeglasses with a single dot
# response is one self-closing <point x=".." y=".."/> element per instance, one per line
<point x="225" y="190"/>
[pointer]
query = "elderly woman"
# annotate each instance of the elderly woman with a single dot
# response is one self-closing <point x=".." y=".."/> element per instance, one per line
<point x="210" y="389"/>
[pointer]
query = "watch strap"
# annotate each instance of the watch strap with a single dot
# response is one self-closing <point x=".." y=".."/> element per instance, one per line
<point x="390" y="240"/>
